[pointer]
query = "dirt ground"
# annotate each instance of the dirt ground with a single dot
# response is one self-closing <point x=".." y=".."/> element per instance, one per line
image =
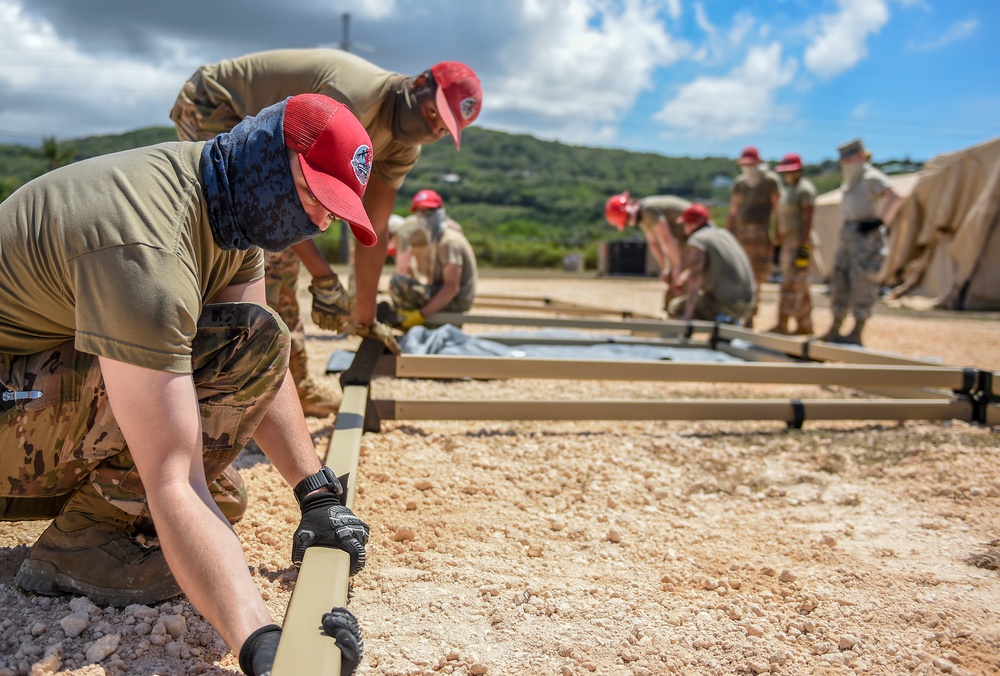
<point x="633" y="548"/>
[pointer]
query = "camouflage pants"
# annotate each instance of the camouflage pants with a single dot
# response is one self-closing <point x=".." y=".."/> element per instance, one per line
<point x="756" y="242"/>
<point x="67" y="438"/>
<point x="854" y="280"/>
<point x="408" y="293"/>
<point x="281" y="282"/>
<point x="708" y="309"/>
<point x="202" y="111"/>
<point x="794" y="300"/>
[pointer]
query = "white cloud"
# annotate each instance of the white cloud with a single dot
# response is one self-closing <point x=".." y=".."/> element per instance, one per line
<point x="841" y="42"/>
<point x="739" y="103"/>
<point x="580" y="65"/>
<point x="860" y="111"/>
<point x="957" y="31"/>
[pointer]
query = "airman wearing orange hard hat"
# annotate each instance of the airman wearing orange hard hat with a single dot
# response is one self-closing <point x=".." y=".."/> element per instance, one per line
<point x="656" y="217"/>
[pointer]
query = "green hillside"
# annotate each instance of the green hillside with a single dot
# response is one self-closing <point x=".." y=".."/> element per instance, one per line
<point x="522" y="201"/>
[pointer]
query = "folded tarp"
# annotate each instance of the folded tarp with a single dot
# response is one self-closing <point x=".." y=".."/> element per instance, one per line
<point x="449" y="340"/>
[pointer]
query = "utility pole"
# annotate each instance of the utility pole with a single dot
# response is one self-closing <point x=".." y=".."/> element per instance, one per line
<point x="345" y="231"/>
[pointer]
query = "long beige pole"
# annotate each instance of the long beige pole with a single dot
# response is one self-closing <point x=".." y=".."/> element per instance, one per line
<point x="322" y="584"/>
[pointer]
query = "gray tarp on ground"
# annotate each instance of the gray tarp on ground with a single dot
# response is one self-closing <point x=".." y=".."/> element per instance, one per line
<point x="449" y="340"/>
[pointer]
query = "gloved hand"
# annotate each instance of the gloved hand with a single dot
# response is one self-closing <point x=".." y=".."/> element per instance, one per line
<point x="331" y="308"/>
<point x="327" y="523"/>
<point x="341" y="624"/>
<point x="410" y="318"/>
<point x="802" y="257"/>
<point x="259" y="650"/>
<point x="381" y="332"/>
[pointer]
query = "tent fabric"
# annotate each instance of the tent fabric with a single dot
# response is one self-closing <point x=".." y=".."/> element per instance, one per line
<point x="944" y="246"/>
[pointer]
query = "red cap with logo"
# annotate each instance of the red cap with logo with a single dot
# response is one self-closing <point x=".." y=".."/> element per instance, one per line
<point x="459" y="96"/>
<point x="696" y="213"/>
<point x="426" y="199"/>
<point x="790" y="162"/>
<point x="335" y="154"/>
<point x="750" y="155"/>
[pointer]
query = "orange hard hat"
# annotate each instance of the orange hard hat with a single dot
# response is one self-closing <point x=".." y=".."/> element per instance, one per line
<point x="615" y="210"/>
<point x="426" y="199"/>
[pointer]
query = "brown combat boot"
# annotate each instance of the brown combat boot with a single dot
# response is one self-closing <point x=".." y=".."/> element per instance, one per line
<point x="315" y="404"/>
<point x="804" y="327"/>
<point x="854" y="337"/>
<point x="781" y="327"/>
<point x="833" y="335"/>
<point x="94" y="555"/>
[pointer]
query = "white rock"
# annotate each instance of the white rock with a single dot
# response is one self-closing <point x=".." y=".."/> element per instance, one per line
<point x="102" y="647"/>
<point x="75" y="624"/>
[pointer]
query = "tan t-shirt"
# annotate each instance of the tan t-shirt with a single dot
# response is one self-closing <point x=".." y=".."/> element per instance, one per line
<point x="250" y="83"/>
<point x="861" y="202"/>
<point x="755" y="207"/>
<point x="727" y="276"/>
<point x="453" y="248"/>
<point x="668" y="207"/>
<point x="793" y="198"/>
<point x="117" y="253"/>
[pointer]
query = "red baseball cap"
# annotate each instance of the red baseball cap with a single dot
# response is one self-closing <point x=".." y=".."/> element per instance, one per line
<point x="790" y="162"/>
<point x="616" y="210"/>
<point x="335" y="153"/>
<point x="459" y="96"/>
<point x="426" y="199"/>
<point x="696" y="213"/>
<point x="750" y="155"/>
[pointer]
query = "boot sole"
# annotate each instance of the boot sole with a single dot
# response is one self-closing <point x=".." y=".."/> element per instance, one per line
<point x="44" y="578"/>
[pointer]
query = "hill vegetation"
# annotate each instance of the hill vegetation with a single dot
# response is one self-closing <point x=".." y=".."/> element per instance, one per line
<point x="522" y="201"/>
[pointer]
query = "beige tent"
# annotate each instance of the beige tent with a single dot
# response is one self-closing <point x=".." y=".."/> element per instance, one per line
<point x="827" y="221"/>
<point x="944" y="246"/>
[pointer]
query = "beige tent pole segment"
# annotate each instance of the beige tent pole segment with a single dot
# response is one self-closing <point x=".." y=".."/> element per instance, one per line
<point x="790" y="411"/>
<point x="322" y="584"/>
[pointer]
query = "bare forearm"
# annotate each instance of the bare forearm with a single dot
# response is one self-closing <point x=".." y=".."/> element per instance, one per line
<point x="207" y="560"/>
<point x="311" y="257"/>
<point x="444" y="296"/>
<point x="288" y="446"/>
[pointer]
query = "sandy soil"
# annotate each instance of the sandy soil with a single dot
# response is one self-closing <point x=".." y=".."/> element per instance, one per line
<point x="634" y="548"/>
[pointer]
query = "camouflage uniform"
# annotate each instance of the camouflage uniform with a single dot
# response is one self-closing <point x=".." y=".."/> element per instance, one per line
<point x="753" y="226"/>
<point x="281" y="284"/>
<point x="794" y="301"/>
<point x="67" y="439"/>
<point x="854" y="280"/>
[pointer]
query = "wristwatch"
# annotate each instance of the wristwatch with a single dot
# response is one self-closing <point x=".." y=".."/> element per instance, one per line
<point x="324" y="477"/>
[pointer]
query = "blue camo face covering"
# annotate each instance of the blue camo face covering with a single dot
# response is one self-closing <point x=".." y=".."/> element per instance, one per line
<point x="252" y="200"/>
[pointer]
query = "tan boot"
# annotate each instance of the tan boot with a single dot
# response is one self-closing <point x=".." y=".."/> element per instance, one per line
<point x="86" y="551"/>
<point x="315" y="404"/>
<point x="833" y="335"/>
<point x="781" y="327"/>
<point x="854" y="337"/>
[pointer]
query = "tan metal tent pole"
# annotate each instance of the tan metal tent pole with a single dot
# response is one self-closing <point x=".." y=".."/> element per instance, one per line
<point x="323" y="579"/>
<point x="847" y="375"/>
<point x="787" y="410"/>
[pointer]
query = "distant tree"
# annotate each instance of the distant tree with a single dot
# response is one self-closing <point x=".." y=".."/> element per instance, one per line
<point x="54" y="155"/>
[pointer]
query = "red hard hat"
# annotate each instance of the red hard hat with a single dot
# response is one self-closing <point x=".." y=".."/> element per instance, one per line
<point x="426" y="199"/>
<point x="615" y="210"/>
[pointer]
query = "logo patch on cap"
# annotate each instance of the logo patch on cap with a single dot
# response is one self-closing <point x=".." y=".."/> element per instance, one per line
<point x="362" y="163"/>
<point x="468" y="107"/>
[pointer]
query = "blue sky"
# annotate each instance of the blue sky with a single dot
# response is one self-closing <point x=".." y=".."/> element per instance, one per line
<point x="914" y="78"/>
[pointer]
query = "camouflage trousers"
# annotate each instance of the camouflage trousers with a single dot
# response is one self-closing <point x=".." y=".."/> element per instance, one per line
<point x="281" y="282"/>
<point x="854" y="280"/>
<point x="794" y="300"/>
<point x="202" y="111"/>
<point x="68" y="438"/>
<point x="708" y="309"/>
<point x="755" y="239"/>
<point x="408" y="293"/>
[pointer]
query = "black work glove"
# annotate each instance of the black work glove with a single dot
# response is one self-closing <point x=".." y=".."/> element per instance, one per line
<point x="382" y="333"/>
<point x="259" y="650"/>
<point x="341" y="624"/>
<point x="864" y="227"/>
<point x="327" y="523"/>
<point x="331" y="308"/>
